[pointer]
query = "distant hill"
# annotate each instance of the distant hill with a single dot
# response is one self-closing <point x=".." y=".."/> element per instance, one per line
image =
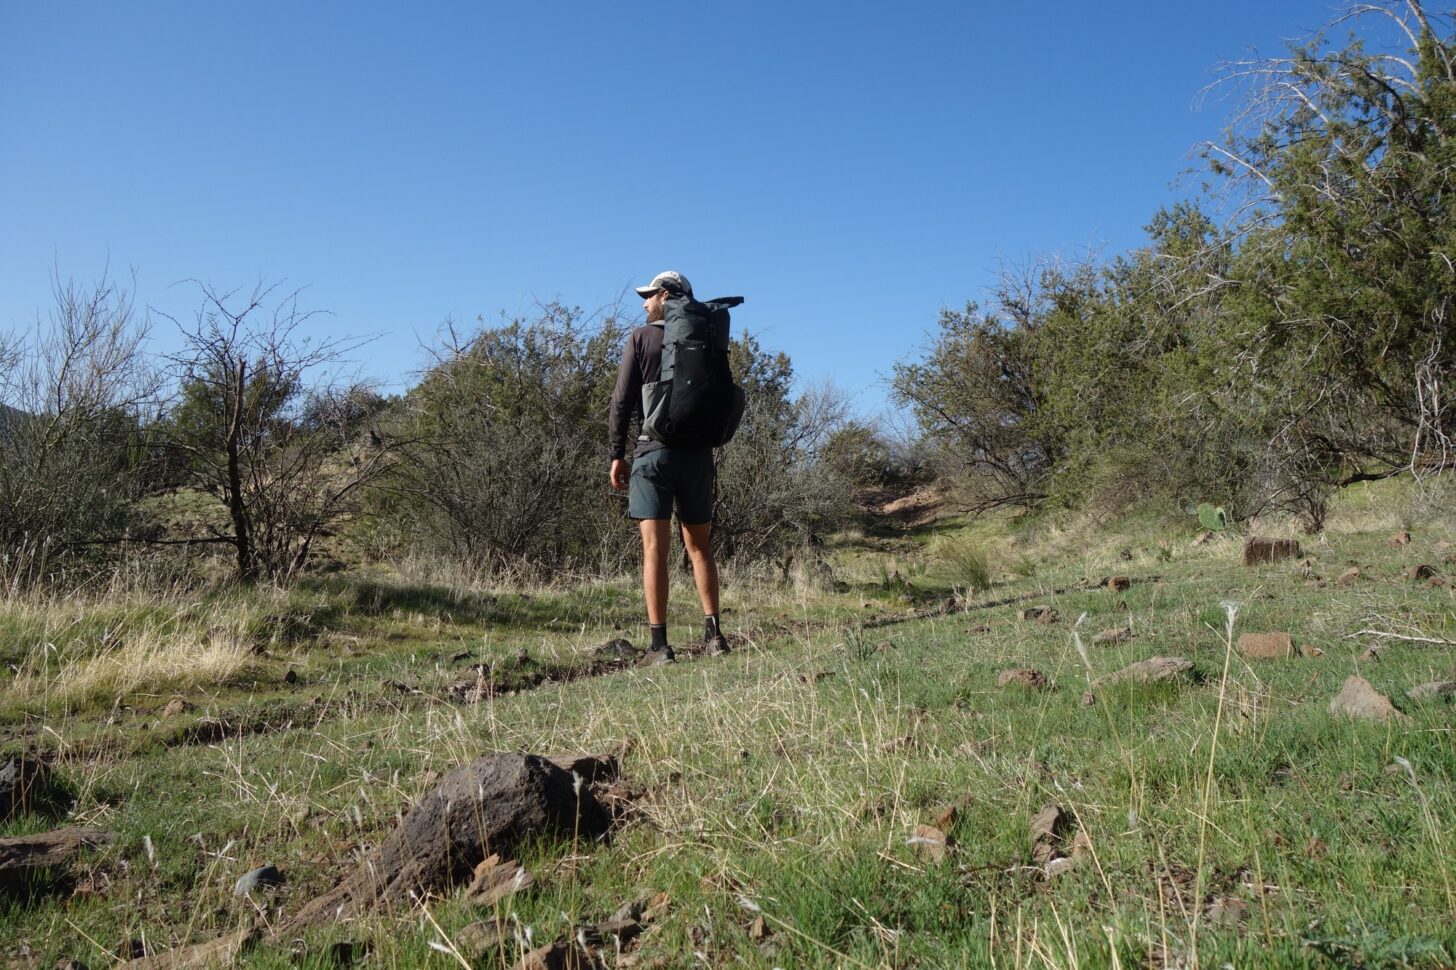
<point x="9" y="416"/>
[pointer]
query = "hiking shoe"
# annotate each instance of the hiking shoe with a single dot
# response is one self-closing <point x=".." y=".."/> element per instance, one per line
<point x="658" y="657"/>
<point x="718" y="646"/>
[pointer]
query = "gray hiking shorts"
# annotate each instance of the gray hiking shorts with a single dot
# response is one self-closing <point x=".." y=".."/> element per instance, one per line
<point x="667" y="474"/>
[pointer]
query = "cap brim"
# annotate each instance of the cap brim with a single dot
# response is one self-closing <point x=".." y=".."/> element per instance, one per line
<point x="646" y="291"/>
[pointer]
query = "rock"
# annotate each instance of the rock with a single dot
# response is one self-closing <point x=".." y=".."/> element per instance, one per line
<point x="561" y="955"/>
<point x="1358" y="699"/>
<point x="1309" y="651"/>
<point x="1058" y="866"/>
<point x="1422" y="571"/>
<point x="477" y="939"/>
<point x="657" y="658"/>
<point x="618" y="930"/>
<point x="1349" y="576"/>
<point x="498" y="800"/>
<point x="1049" y="828"/>
<point x="26" y="858"/>
<point x="1435" y="690"/>
<point x="592" y="769"/>
<point x="758" y="930"/>
<point x="930" y="842"/>
<point x="1266" y="646"/>
<point x="494" y="880"/>
<point x="1399" y="539"/>
<point x="1118" y="584"/>
<point x="947" y="818"/>
<point x="26" y="784"/>
<point x="1039" y="614"/>
<point x="263" y="877"/>
<point x="1258" y="549"/>
<point x="1227" y="911"/>
<point x="617" y="649"/>
<point x="177" y="706"/>
<point x="1081" y="845"/>
<point x="1150" y="671"/>
<point x="1023" y="677"/>
<point x="1114" y="635"/>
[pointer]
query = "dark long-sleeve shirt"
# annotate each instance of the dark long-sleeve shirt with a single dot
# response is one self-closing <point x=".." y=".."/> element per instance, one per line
<point x="641" y="364"/>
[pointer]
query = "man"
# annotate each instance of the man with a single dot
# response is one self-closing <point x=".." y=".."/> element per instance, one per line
<point x="661" y="476"/>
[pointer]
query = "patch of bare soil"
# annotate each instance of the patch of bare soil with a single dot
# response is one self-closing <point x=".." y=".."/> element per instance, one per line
<point x="905" y="507"/>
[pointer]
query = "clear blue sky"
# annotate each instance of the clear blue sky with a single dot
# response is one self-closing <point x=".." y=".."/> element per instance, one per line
<point x="848" y="167"/>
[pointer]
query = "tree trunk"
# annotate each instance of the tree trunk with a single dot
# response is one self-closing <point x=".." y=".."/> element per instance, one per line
<point x="247" y="569"/>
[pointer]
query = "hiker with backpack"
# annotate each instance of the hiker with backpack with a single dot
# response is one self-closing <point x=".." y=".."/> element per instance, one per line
<point x="675" y="374"/>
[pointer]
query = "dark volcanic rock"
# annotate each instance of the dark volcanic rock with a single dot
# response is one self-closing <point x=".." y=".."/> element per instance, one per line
<point x="492" y="805"/>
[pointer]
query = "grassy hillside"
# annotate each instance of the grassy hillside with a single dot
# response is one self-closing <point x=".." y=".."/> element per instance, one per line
<point x="778" y="793"/>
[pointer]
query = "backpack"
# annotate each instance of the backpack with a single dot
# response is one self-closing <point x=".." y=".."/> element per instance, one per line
<point x="695" y="404"/>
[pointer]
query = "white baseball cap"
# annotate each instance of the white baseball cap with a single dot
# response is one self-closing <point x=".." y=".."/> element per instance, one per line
<point x="669" y="279"/>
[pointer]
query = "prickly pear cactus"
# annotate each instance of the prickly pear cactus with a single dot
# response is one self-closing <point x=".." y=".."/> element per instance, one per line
<point x="1212" y="518"/>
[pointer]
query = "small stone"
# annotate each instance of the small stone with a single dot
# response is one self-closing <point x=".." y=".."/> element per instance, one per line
<point x="26" y="781"/>
<point x="1058" y="866"/>
<point x="1399" y="539"/>
<point x="1422" y="571"/>
<point x="1227" y="911"/>
<point x="1048" y="830"/>
<point x="1023" y="677"/>
<point x="1359" y="699"/>
<point x="1348" y="577"/>
<point x="1309" y="651"/>
<point x="1113" y="635"/>
<point x="930" y="842"/>
<point x="1435" y="690"/>
<point x="263" y="877"/>
<point x="657" y="658"/>
<point x="1118" y="584"/>
<point x="1039" y="614"/>
<point x="176" y="706"/>
<point x="758" y="930"/>
<point x="1081" y="845"/>
<point x="1259" y="550"/>
<point x="947" y="818"/>
<point x="617" y="649"/>
<point x="494" y="880"/>
<point x="561" y="955"/>
<point x="1150" y="671"/>
<point x="1266" y="646"/>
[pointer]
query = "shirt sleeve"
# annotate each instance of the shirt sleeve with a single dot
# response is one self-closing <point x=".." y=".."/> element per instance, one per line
<point x="626" y="398"/>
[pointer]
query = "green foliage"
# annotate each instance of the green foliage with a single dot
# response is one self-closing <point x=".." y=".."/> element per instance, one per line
<point x="963" y="562"/>
<point x="1259" y="362"/>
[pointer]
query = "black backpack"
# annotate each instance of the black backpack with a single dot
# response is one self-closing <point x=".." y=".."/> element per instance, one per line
<point x="695" y="404"/>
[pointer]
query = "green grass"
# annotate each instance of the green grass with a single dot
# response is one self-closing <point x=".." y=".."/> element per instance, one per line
<point x="788" y="775"/>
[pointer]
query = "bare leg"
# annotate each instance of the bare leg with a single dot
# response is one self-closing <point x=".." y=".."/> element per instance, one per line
<point x="655" y="538"/>
<point x="705" y="569"/>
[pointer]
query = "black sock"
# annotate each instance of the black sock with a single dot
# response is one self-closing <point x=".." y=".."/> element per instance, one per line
<point x="710" y="627"/>
<point x="659" y="635"/>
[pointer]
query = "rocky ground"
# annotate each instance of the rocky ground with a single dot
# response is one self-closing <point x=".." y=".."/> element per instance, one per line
<point x="1139" y="745"/>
